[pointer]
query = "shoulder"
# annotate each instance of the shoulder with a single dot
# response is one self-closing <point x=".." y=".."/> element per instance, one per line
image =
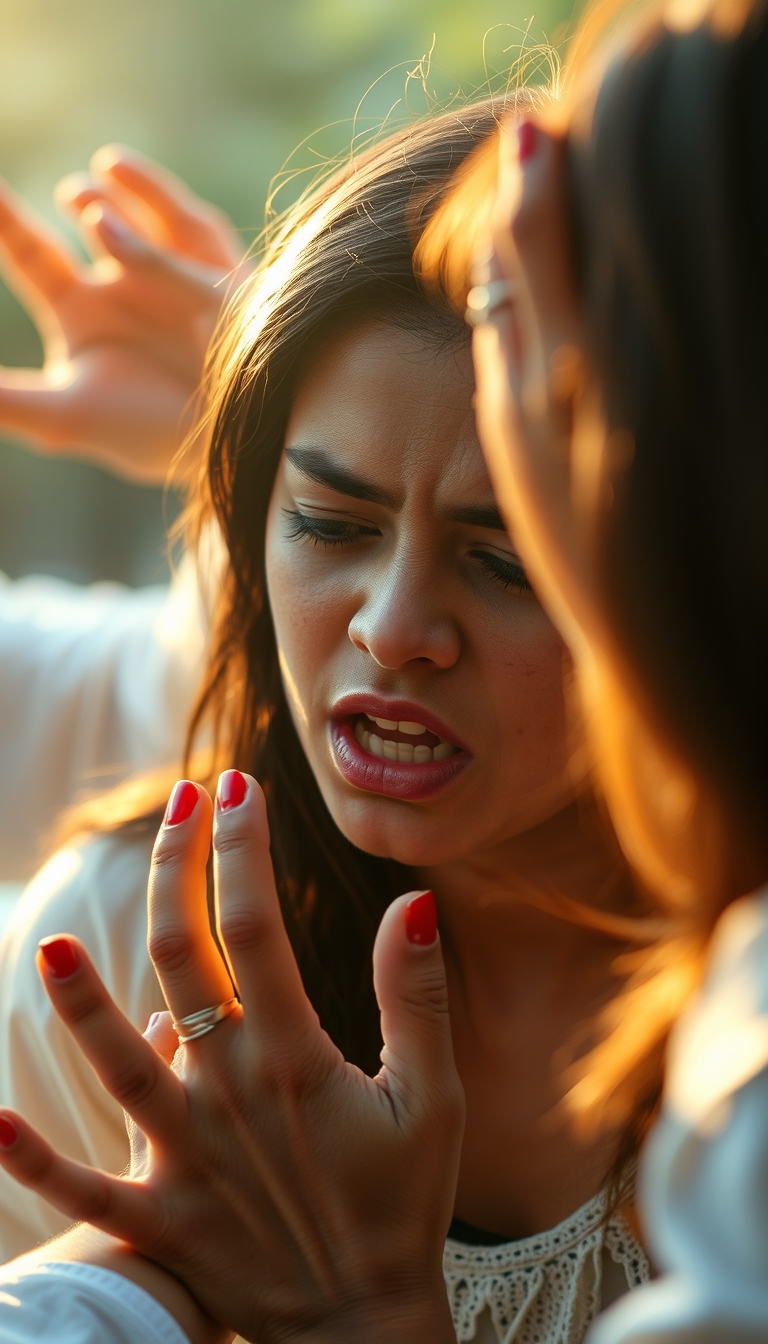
<point x="721" y="1042"/>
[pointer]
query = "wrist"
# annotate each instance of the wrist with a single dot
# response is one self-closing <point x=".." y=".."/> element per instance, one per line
<point x="87" y="1245"/>
<point x="396" y="1317"/>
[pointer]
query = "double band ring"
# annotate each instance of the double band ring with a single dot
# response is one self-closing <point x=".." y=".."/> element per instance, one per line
<point x="199" y="1024"/>
<point x="486" y="299"/>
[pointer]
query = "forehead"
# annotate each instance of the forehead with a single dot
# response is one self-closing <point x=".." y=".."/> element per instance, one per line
<point x="395" y="405"/>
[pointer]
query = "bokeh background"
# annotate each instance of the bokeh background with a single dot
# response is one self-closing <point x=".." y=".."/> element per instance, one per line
<point x="222" y="91"/>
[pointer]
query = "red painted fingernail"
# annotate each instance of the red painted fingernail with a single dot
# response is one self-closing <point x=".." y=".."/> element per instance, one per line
<point x="232" y="789"/>
<point x="421" y="919"/>
<point x="59" y="956"/>
<point x="181" y="803"/>
<point x="8" y="1132"/>
<point x="526" y="140"/>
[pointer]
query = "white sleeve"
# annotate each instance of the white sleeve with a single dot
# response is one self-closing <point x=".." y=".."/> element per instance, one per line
<point x="63" y="1303"/>
<point x="96" y="890"/>
<point x="95" y="683"/>
<point x="704" y="1175"/>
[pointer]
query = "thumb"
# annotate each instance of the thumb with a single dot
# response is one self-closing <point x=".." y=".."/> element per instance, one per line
<point x="161" y="1036"/>
<point x="409" y="979"/>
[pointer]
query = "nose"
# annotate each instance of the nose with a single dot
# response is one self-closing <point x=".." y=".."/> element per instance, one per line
<point x="404" y="619"/>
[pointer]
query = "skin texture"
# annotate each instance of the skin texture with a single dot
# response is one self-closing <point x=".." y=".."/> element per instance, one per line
<point x="409" y="610"/>
<point x="346" y="1248"/>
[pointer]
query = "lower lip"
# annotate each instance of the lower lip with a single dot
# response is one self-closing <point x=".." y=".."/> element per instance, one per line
<point x="394" y="779"/>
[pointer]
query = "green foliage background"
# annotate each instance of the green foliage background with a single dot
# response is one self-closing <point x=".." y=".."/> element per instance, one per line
<point x="222" y="91"/>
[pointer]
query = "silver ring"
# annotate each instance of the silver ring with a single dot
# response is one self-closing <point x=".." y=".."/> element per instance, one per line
<point x="199" y="1024"/>
<point x="483" y="300"/>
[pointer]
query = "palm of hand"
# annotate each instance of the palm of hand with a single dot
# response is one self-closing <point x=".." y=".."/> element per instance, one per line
<point x="124" y="338"/>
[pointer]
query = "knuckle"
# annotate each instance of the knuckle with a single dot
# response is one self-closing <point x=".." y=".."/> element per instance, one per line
<point x="428" y="997"/>
<point x="37" y="1167"/>
<point x="170" y="949"/>
<point x="233" y="840"/>
<point x="169" y="850"/>
<point x="244" y="929"/>
<point x="132" y="1086"/>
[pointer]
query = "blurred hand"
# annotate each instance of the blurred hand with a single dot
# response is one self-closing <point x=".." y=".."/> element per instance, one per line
<point x="298" y="1199"/>
<point x="125" y="336"/>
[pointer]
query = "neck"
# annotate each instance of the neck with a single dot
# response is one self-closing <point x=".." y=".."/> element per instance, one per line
<point x="535" y="894"/>
<point x="524" y="982"/>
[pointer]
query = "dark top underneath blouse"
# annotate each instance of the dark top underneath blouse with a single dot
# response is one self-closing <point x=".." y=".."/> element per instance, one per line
<point x="475" y="1236"/>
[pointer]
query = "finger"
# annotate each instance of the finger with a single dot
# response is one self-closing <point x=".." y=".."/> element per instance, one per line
<point x="126" y="1064"/>
<point x="161" y="1035"/>
<point x="73" y="192"/>
<point x="409" y="978"/>
<point x="538" y="225"/>
<point x="32" y="406"/>
<point x="189" y="965"/>
<point x="249" y="917"/>
<point x="191" y="224"/>
<point x="106" y="230"/>
<point x="115" y="1205"/>
<point x="35" y="260"/>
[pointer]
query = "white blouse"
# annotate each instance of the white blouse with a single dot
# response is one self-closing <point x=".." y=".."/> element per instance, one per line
<point x="95" y="683"/>
<point x="62" y="1303"/>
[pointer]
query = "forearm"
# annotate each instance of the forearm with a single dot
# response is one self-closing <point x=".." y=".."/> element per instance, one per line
<point x="86" y="1245"/>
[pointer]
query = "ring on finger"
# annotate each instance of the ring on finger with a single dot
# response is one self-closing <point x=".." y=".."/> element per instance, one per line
<point x="195" y="1025"/>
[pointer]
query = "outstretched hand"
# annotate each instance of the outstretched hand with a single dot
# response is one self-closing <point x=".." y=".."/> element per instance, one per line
<point x="125" y="336"/>
<point x="296" y="1198"/>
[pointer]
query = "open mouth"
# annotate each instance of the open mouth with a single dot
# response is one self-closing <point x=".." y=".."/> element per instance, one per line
<point x="400" y="757"/>
<point x="402" y="740"/>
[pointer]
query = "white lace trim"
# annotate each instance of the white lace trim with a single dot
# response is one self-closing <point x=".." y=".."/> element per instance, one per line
<point x="543" y="1289"/>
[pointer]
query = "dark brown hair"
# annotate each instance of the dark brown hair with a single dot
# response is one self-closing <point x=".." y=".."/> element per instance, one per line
<point x="344" y="254"/>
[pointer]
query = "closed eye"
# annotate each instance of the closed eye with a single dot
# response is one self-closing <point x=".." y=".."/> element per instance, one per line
<point x="326" y="531"/>
<point x="506" y="572"/>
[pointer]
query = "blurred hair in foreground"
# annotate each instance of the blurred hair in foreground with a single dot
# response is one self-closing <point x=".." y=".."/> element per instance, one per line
<point x="666" y="116"/>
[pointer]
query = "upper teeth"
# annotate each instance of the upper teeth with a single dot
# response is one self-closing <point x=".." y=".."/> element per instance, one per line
<point x="404" y="726"/>
<point x="405" y="752"/>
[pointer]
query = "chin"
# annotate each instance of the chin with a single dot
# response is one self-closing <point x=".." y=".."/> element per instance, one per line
<point x="390" y="829"/>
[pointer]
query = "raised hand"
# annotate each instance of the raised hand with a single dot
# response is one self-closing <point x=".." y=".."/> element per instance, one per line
<point x="125" y="336"/>
<point x="295" y="1197"/>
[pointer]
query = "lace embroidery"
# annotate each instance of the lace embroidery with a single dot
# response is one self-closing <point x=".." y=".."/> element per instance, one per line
<point x="544" y="1289"/>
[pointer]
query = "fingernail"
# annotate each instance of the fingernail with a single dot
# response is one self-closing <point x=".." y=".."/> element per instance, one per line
<point x="153" y="1018"/>
<point x="421" y="919"/>
<point x="181" y="803"/>
<point x="526" y="140"/>
<point x="59" y="956"/>
<point x="8" y="1132"/>
<point x="233" y="786"/>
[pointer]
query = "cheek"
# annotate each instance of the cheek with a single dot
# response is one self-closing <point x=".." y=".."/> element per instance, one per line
<point x="310" y="615"/>
<point x="531" y="670"/>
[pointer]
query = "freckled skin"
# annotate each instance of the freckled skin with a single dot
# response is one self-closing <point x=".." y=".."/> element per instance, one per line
<point x="410" y="613"/>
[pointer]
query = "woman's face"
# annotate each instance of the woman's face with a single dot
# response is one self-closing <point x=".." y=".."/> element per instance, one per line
<point x="425" y="681"/>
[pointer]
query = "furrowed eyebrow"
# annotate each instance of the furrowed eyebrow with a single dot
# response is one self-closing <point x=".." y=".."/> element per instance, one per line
<point x="480" y="516"/>
<point x="319" y="466"/>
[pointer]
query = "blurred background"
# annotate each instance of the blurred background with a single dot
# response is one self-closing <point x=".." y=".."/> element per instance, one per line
<point x="222" y="92"/>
